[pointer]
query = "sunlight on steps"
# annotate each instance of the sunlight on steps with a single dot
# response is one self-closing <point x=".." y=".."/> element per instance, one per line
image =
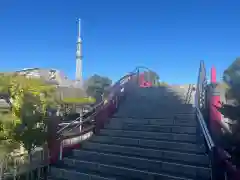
<point x="153" y="136"/>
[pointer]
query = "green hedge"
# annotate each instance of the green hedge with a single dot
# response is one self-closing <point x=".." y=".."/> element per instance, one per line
<point x="87" y="100"/>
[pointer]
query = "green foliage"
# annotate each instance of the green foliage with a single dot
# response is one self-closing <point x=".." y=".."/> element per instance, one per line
<point x="233" y="72"/>
<point x="25" y="123"/>
<point x="4" y="83"/>
<point x="235" y="65"/>
<point x="35" y="89"/>
<point x="96" y="85"/>
<point x="31" y="131"/>
<point x="162" y="83"/>
<point x="88" y="100"/>
<point x="7" y="126"/>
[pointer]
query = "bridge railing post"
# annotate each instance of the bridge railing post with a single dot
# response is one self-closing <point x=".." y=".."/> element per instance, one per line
<point x="214" y="114"/>
<point x="215" y="129"/>
<point x="214" y="101"/>
<point x="217" y="166"/>
<point x="218" y="158"/>
<point x="138" y="78"/>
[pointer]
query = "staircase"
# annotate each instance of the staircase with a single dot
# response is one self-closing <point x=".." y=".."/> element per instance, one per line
<point x="153" y="136"/>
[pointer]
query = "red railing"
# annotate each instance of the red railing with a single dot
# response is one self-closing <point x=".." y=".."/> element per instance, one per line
<point x="143" y="82"/>
<point x="99" y="116"/>
<point x="227" y="168"/>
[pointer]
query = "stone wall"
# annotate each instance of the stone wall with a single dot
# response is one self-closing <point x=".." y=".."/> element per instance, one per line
<point x="182" y="89"/>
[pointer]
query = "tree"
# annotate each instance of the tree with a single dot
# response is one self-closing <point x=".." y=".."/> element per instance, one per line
<point x="7" y="126"/>
<point x="232" y="74"/>
<point x="30" y="99"/>
<point x="96" y="86"/>
<point x="7" y="123"/>
<point x="162" y="83"/>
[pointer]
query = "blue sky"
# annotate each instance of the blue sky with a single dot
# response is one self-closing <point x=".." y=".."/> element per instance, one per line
<point x="169" y="36"/>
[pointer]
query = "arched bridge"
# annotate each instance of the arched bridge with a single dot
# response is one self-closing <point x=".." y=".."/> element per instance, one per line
<point x="145" y="132"/>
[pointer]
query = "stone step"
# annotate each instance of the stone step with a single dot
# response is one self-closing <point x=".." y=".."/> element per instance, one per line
<point x="166" y="155"/>
<point x="149" y="135"/>
<point x="125" y="173"/>
<point x="153" y="136"/>
<point x="160" y="105"/>
<point x="183" y="147"/>
<point x="172" y="115"/>
<point x="154" y="128"/>
<point x="177" y="101"/>
<point x="156" y="97"/>
<point x="143" y="164"/>
<point x="151" y="113"/>
<point x="158" y="122"/>
<point x="67" y="174"/>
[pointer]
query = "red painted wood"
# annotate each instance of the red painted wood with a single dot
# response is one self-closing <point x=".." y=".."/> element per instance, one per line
<point x="215" y="115"/>
<point x="143" y="82"/>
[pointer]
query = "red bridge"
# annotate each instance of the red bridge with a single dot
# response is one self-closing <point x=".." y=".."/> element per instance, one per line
<point x="146" y="132"/>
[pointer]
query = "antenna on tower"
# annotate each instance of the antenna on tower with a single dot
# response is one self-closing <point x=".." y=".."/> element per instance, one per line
<point x="79" y="55"/>
<point x="79" y="28"/>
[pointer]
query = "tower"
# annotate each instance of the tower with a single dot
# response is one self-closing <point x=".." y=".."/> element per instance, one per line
<point x="79" y="56"/>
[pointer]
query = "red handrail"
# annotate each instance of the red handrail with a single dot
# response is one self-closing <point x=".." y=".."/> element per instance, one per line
<point x="216" y="125"/>
<point x="143" y="82"/>
<point x="101" y="115"/>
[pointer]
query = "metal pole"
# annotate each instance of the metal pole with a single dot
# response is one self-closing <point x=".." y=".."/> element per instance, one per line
<point x="80" y="120"/>
<point x="61" y="150"/>
<point x="138" y="77"/>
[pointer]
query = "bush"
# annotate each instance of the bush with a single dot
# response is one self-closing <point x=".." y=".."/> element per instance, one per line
<point x="84" y="100"/>
<point x="25" y="122"/>
<point x="163" y="83"/>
